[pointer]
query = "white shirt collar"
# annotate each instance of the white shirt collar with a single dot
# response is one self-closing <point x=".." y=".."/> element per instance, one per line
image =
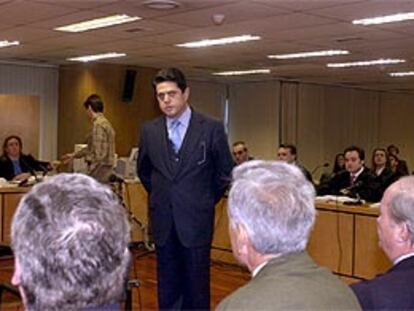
<point x="184" y="118"/>
<point x="401" y="258"/>
<point x="358" y="173"/>
<point x="258" y="268"/>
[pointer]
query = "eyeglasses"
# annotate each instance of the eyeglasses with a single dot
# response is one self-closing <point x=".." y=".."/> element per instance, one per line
<point x="172" y="94"/>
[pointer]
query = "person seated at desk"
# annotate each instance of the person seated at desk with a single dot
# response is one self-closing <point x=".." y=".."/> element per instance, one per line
<point x="398" y="171"/>
<point x="394" y="289"/>
<point x="289" y="154"/>
<point x="355" y="181"/>
<point x="339" y="166"/>
<point x="70" y="239"/>
<point x="402" y="167"/>
<point x="382" y="171"/>
<point x="14" y="165"/>
<point x="271" y="214"/>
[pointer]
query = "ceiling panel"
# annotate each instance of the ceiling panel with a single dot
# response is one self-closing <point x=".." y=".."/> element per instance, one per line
<point x="286" y="26"/>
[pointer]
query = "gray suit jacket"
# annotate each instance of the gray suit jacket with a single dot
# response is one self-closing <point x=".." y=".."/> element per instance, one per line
<point x="292" y="282"/>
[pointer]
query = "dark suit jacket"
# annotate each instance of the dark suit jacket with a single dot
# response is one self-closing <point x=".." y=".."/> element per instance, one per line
<point x="384" y="179"/>
<point x="392" y="290"/>
<point x="187" y="192"/>
<point x="27" y="162"/>
<point x="367" y="186"/>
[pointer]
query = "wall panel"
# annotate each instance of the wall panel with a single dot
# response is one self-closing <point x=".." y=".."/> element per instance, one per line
<point x="40" y="81"/>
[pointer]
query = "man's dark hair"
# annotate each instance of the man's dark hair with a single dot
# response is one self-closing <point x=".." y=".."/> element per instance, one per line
<point x="170" y="75"/>
<point x="360" y="151"/>
<point x="397" y="151"/>
<point x="240" y="142"/>
<point x="95" y="102"/>
<point x="292" y="148"/>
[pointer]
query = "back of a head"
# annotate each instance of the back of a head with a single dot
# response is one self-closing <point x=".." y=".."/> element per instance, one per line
<point x="171" y="75"/>
<point x="95" y="102"/>
<point x="275" y="203"/>
<point x="70" y="237"/>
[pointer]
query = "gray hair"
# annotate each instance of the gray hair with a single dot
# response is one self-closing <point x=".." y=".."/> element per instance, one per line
<point x="402" y="203"/>
<point x="70" y="236"/>
<point x="275" y="203"/>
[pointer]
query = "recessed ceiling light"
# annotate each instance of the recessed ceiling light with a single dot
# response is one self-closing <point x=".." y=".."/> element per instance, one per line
<point x="384" y="19"/>
<point x="402" y="74"/>
<point x="309" y="54"/>
<point x="161" y="4"/>
<point x="381" y="61"/>
<point x="242" y="72"/>
<point x="98" y="23"/>
<point x="6" y="43"/>
<point x="220" y="41"/>
<point x="90" y="58"/>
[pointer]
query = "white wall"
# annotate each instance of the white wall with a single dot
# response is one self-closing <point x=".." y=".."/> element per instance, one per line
<point x="42" y="82"/>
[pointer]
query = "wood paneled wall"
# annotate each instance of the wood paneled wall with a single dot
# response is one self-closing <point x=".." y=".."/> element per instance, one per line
<point x="77" y="82"/>
<point x="20" y="116"/>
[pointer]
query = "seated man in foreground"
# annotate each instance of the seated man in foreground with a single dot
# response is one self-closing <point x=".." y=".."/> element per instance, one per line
<point x="70" y="239"/>
<point x="393" y="290"/>
<point x="271" y="213"/>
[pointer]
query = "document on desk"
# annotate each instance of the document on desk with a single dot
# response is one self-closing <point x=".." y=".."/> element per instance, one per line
<point x="337" y="199"/>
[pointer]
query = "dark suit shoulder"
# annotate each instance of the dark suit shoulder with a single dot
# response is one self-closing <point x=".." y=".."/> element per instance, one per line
<point x="391" y="290"/>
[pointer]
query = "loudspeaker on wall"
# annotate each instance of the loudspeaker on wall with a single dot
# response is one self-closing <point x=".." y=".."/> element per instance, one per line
<point x="129" y="85"/>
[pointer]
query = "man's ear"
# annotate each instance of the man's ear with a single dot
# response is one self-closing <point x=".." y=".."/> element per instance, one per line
<point x="187" y="93"/>
<point x="244" y="240"/>
<point x="403" y="234"/>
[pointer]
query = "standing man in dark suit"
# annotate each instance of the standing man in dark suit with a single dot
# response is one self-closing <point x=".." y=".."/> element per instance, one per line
<point x="184" y="164"/>
<point x="394" y="289"/>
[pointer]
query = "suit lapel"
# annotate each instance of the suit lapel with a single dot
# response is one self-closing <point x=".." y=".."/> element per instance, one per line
<point x="163" y="144"/>
<point x="190" y="141"/>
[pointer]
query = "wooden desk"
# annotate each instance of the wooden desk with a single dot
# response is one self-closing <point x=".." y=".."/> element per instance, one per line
<point x="344" y="238"/>
<point x="9" y="199"/>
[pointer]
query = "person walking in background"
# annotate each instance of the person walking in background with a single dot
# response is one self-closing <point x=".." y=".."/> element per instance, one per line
<point x="100" y="151"/>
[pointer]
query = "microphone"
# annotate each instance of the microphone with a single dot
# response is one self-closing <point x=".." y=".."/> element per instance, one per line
<point x="319" y="166"/>
<point x="347" y="190"/>
<point x="30" y="168"/>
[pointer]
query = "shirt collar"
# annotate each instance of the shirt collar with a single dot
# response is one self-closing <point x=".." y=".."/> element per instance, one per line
<point x="401" y="258"/>
<point x="184" y="118"/>
<point x="358" y="173"/>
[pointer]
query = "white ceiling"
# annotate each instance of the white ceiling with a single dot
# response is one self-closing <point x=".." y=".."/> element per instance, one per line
<point x="286" y="26"/>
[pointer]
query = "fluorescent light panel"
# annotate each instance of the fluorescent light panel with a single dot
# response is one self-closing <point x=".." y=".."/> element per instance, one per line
<point x="90" y="58"/>
<point x="399" y="17"/>
<point x="99" y="23"/>
<point x="242" y="72"/>
<point x="402" y="74"/>
<point x="220" y="41"/>
<point x="381" y="61"/>
<point x="6" y="43"/>
<point x="309" y="54"/>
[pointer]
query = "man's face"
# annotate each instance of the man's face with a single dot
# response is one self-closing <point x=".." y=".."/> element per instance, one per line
<point x="240" y="153"/>
<point x="171" y="100"/>
<point x="387" y="228"/>
<point x="285" y="154"/>
<point x="352" y="161"/>
<point x="380" y="158"/>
